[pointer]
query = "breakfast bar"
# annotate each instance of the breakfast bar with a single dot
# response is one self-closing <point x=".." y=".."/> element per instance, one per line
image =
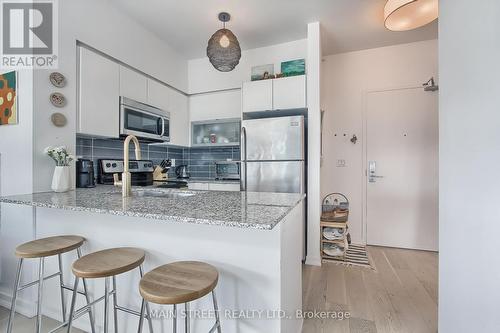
<point x="253" y="239"/>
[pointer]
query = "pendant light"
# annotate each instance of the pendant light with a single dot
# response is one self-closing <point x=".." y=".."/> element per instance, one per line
<point x="402" y="15"/>
<point x="223" y="48"/>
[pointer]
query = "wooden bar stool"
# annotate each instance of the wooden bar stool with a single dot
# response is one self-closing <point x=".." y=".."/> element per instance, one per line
<point x="41" y="249"/>
<point x="107" y="264"/>
<point x="179" y="282"/>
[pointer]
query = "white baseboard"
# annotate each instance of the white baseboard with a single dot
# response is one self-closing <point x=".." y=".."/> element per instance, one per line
<point x="25" y="307"/>
<point x="313" y="260"/>
<point x="28" y="308"/>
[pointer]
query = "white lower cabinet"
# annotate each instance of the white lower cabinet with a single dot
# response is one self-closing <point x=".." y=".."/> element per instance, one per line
<point x="99" y="92"/>
<point x="202" y="186"/>
<point x="198" y="186"/>
<point x="224" y="186"/>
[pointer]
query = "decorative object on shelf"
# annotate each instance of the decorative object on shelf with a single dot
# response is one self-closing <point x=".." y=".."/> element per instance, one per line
<point x="58" y="99"/>
<point x="58" y="119"/>
<point x="8" y="98"/>
<point x="223" y="48"/>
<point x="61" y="180"/>
<point x="403" y="15"/>
<point x="293" y="67"/>
<point x="335" y="208"/>
<point x="57" y="79"/>
<point x="262" y="72"/>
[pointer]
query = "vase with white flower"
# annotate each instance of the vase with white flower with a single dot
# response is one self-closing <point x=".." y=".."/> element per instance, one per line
<point x="61" y="180"/>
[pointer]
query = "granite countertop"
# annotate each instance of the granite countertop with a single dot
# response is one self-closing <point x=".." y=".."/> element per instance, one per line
<point x="234" y="209"/>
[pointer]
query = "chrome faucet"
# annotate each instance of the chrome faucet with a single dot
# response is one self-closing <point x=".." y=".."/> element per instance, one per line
<point x="126" y="182"/>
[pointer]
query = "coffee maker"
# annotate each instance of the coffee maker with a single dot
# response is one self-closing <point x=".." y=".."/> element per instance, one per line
<point x="85" y="173"/>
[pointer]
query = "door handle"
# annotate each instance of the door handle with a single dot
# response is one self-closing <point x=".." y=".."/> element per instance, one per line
<point x="243" y="151"/>
<point x="372" y="172"/>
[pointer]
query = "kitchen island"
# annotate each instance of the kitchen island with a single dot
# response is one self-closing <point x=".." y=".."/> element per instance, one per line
<point x="254" y="239"/>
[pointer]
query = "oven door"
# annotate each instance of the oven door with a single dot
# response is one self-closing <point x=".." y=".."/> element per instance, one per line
<point x="143" y="123"/>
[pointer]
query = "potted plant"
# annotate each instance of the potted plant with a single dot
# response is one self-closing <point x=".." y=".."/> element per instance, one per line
<point x="61" y="181"/>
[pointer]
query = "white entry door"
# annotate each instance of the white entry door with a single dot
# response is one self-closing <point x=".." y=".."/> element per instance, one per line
<point x="402" y="169"/>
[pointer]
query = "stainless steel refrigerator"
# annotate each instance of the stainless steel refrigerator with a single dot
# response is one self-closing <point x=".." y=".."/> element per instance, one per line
<point x="273" y="159"/>
<point x="273" y="155"/>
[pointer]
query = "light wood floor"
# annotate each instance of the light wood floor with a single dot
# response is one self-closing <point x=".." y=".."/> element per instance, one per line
<point x="400" y="296"/>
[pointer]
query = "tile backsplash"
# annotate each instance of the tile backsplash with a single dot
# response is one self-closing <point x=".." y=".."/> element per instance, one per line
<point x="200" y="161"/>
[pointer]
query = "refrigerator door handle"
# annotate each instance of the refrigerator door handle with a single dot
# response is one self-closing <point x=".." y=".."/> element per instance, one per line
<point x="243" y="182"/>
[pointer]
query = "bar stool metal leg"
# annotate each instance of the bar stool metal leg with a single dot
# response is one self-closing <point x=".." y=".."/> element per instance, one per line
<point x="61" y="285"/>
<point x="72" y="307"/>
<point x="141" y="317"/>
<point x="216" y="309"/>
<point x="14" y="296"/>
<point x="106" y="304"/>
<point x="174" y="319"/>
<point x="115" y="304"/>
<point x="186" y="318"/>
<point x="148" y="309"/>
<point x="40" y="296"/>
<point x="87" y="297"/>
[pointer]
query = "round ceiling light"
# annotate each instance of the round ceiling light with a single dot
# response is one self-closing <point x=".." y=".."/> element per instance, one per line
<point x="402" y="15"/>
<point x="223" y="48"/>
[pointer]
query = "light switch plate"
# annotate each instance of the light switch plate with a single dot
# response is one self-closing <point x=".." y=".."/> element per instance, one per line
<point x="340" y="163"/>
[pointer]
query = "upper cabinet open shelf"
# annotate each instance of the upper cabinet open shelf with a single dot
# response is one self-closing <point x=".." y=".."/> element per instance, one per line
<point x="275" y="94"/>
<point x="213" y="133"/>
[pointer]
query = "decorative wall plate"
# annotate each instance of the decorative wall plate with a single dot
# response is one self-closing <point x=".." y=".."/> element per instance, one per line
<point x="58" y="99"/>
<point x="58" y="119"/>
<point x="57" y="79"/>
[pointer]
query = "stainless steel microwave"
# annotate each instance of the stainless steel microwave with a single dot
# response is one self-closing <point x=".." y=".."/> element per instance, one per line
<point x="227" y="170"/>
<point x="143" y="121"/>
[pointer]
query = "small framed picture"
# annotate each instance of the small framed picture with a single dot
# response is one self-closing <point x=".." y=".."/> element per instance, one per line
<point x="8" y="99"/>
<point x="262" y="72"/>
<point x="293" y="67"/>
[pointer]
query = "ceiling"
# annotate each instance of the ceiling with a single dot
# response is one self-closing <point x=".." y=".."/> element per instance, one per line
<point x="348" y="25"/>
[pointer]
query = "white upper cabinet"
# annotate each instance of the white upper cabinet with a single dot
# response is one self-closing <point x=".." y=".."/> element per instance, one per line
<point x="257" y="96"/>
<point x="133" y="85"/>
<point x="174" y="102"/>
<point x="289" y="93"/>
<point x="158" y="95"/>
<point x="99" y="92"/>
<point x="179" y="118"/>
<point x="275" y="94"/>
<point x="216" y="105"/>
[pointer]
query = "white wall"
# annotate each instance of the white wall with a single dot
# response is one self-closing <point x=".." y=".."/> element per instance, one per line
<point x="16" y="177"/>
<point x="313" y="142"/>
<point x="345" y="78"/>
<point x="469" y="274"/>
<point x="203" y="77"/>
<point x="105" y="28"/>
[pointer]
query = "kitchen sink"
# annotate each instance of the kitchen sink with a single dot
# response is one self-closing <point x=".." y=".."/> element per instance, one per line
<point x="163" y="194"/>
